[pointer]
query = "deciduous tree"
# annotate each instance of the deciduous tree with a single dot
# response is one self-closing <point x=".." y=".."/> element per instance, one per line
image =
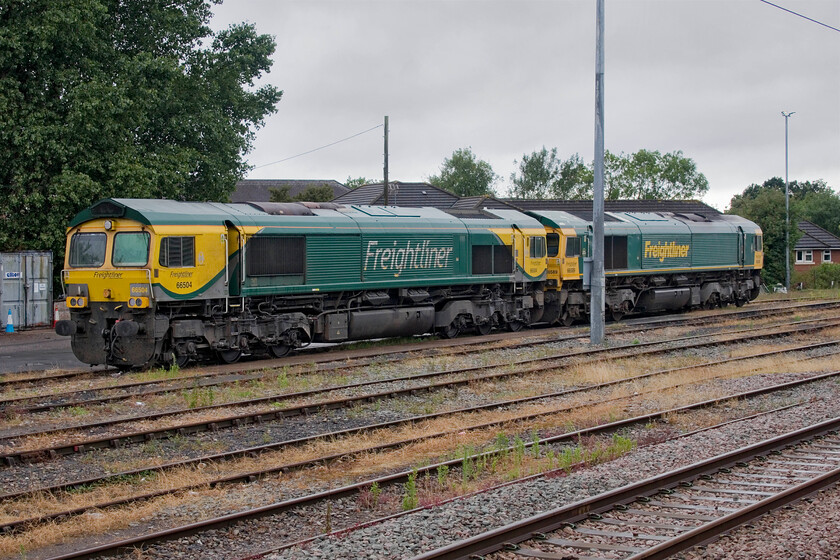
<point x="643" y="174"/>
<point x="764" y="204"/>
<point x="464" y="174"/>
<point x="543" y="175"/>
<point x="353" y="183"/>
<point x="124" y="98"/>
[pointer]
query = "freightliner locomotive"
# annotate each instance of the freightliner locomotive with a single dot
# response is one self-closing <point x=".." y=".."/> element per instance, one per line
<point x="160" y="282"/>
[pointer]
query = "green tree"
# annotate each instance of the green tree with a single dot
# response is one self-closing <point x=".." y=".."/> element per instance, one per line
<point x="821" y="208"/>
<point x="543" y="175"/>
<point x="643" y="174"/>
<point x="320" y="193"/>
<point x="464" y="174"/>
<point x="352" y="183"/>
<point x="766" y="207"/>
<point x="764" y="204"/>
<point x="652" y="175"/>
<point x="280" y="194"/>
<point x="125" y="98"/>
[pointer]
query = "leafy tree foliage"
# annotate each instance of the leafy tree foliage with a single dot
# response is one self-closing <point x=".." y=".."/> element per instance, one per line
<point x="320" y="193"/>
<point x="767" y="209"/>
<point x="464" y="174"/>
<point x="764" y="204"/>
<point x="642" y="175"/>
<point x="543" y="175"/>
<point x="652" y="175"/>
<point x="124" y="98"/>
<point x="352" y="183"/>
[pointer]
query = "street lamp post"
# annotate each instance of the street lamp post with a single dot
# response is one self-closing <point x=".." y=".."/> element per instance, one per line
<point x="787" y="207"/>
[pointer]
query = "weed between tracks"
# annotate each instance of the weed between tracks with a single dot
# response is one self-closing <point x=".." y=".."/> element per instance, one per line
<point x="463" y="440"/>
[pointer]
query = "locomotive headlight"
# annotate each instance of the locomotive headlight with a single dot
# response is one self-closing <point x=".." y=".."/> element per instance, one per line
<point x="109" y="225"/>
<point x="77" y="302"/>
<point x="138" y="302"/>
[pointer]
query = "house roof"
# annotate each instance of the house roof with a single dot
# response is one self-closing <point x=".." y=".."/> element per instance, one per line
<point x="414" y="195"/>
<point x="258" y="190"/>
<point x="583" y="208"/>
<point x="815" y="237"/>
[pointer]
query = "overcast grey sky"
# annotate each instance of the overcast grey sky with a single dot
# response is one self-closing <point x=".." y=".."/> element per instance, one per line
<point x="708" y="77"/>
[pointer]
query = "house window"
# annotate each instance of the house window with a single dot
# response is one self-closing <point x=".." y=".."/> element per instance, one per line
<point x="827" y="255"/>
<point x="804" y="257"/>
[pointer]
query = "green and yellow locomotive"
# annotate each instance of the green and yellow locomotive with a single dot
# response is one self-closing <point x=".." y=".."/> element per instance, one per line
<point x="162" y="282"/>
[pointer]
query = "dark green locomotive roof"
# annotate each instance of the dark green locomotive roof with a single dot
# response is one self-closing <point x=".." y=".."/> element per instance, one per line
<point x="171" y="212"/>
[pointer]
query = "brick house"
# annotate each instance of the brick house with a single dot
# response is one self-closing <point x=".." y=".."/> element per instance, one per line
<point x="816" y="246"/>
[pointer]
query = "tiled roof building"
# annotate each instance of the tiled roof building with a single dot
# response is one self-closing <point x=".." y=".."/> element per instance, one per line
<point x="816" y="246"/>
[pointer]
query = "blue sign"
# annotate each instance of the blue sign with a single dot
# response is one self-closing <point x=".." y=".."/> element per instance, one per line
<point x="10" y="275"/>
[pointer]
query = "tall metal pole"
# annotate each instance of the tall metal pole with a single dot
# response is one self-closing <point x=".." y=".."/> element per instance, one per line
<point x="385" y="168"/>
<point x="596" y="303"/>
<point x="787" y="207"/>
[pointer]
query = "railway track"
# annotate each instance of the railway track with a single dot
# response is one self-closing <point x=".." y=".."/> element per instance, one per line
<point x="313" y="408"/>
<point x="144" y="389"/>
<point x="397" y="478"/>
<point x="251" y="475"/>
<point x="365" y="357"/>
<point x="672" y="512"/>
<point x="465" y="376"/>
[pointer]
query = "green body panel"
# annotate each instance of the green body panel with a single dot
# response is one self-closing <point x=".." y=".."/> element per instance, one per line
<point x="715" y="249"/>
<point x="333" y="259"/>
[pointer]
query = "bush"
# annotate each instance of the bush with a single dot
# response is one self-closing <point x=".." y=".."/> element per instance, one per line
<point x="821" y="277"/>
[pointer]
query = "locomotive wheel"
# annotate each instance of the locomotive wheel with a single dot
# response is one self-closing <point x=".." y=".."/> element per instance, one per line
<point x="230" y="356"/>
<point x="713" y="301"/>
<point x="279" y="350"/>
<point x="515" y="326"/>
<point x="617" y="315"/>
<point x="484" y="328"/>
<point x="180" y="360"/>
<point x="739" y="302"/>
<point x="450" y="331"/>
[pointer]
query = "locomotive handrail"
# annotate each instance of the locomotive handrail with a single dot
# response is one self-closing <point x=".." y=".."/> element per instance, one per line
<point x="64" y="272"/>
<point x="227" y="258"/>
<point x="151" y="289"/>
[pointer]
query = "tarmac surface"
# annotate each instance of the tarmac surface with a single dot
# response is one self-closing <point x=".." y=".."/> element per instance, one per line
<point x="38" y="349"/>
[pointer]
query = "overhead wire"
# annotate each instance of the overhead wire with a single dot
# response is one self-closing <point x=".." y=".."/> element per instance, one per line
<point x="321" y="147"/>
<point x="800" y="15"/>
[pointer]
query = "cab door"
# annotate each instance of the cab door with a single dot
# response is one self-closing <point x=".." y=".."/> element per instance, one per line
<point x="234" y="244"/>
<point x="572" y="253"/>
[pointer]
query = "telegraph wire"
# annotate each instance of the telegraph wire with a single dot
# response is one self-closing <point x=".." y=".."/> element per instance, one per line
<point x="320" y="148"/>
<point x="800" y="15"/>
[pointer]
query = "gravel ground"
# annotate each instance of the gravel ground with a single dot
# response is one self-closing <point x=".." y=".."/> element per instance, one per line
<point x="528" y="497"/>
<point x="103" y="461"/>
<point x="807" y="530"/>
<point x="426" y="529"/>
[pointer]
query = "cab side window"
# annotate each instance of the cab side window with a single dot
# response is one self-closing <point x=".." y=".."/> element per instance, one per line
<point x="573" y="246"/>
<point x="177" y="252"/>
<point x="537" y="247"/>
